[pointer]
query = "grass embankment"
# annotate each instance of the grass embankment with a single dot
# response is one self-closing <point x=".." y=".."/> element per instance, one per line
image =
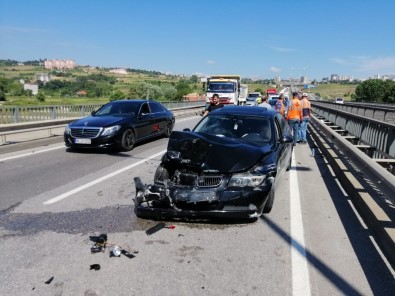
<point x="332" y="91"/>
<point x="125" y="81"/>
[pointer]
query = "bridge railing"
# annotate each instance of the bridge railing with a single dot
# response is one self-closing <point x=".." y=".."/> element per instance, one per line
<point x="19" y="114"/>
<point x="374" y="127"/>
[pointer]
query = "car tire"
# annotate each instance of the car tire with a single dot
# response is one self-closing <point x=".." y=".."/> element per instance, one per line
<point x="168" y="128"/>
<point x="269" y="203"/>
<point x="128" y="140"/>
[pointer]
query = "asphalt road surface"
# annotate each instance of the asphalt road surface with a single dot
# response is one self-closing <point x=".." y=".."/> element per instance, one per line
<point x="53" y="200"/>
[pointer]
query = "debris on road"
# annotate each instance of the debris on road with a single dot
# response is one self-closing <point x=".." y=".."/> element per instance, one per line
<point x="158" y="227"/>
<point x="95" y="267"/>
<point x="49" y="281"/>
<point x="115" y="251"/>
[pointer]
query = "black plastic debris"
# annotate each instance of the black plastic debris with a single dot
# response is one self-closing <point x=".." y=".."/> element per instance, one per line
<point x="155" y="228"/>
<point x="101" y="239"/>
<point x="127" y="254"/>
<point x="100" y="243"/>
<point x="50" y="280"/>
<point x="97" y="249"/>
<point x="95" y="267"/>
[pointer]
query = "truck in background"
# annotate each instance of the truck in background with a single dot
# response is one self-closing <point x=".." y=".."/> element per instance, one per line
<point x="243" y="94"/>
<point x="228" y="88"/>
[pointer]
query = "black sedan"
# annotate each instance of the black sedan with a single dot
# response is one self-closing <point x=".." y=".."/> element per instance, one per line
<point x="229" y="165"/>
<point x="120" y="124"/>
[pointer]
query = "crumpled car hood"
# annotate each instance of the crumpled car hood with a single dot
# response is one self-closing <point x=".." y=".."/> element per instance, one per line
<point x="206" y="152"/>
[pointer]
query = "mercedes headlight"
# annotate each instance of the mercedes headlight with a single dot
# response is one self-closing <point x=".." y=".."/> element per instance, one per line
<point x="110" y="130"/>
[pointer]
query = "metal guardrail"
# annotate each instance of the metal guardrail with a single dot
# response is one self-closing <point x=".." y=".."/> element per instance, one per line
<point x="372" y="127"/>
<point x="369" y="185"/>
<point x="19" y="114"/>
<point x="53" y="125"/>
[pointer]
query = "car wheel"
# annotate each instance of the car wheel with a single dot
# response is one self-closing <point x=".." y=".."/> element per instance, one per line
<point x="161" y="174"/>
<point x="269" y="203"/>
<point x="168" y="129"/>
<point x="128" y="140"/>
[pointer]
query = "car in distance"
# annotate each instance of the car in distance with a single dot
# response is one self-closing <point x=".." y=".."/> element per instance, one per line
<point x="252" y="98"/>
<point x="339" y="101"/>
<point x="229" y="165"/>
<point x="120" y="124"/>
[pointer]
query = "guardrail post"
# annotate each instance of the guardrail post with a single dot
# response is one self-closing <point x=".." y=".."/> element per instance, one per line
<point x="82" y="111"/>
<point x="16" y="116"/>
<point x="53" y="113"/>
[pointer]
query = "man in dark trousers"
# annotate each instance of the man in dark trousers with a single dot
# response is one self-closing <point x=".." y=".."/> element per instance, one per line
<point x="215" y="104"/>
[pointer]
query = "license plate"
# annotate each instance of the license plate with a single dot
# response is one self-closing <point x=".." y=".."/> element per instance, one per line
<point x="82" y="141"/>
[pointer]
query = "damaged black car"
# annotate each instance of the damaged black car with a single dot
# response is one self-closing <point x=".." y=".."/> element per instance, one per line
<point x="229" y="165"/>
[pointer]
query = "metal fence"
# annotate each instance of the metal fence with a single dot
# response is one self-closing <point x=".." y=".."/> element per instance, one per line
<point x="18" y="114"/>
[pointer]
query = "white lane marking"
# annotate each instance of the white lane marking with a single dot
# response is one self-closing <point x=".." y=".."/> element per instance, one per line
<point x="31" y="153"/>
<point x="101" y="179"/>
<point x="300" y="273"/>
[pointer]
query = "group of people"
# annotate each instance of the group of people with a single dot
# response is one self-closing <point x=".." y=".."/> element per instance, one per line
<point x="298" y="115"/>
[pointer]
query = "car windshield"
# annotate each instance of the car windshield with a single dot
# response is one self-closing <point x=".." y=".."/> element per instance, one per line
<point x="249" y="129"/>
<point x="221" y="87"/>
<point x="118" y="108"/>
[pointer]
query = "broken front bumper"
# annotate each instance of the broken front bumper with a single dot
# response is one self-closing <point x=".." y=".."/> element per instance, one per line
<point x="169" y="200"/>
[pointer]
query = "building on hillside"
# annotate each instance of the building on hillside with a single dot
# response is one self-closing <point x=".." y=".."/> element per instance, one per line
<point x="59" y="64"/>
<point x="44" y="77"/>
<point x="119" y="71"/>
<point x="32" y="87"/>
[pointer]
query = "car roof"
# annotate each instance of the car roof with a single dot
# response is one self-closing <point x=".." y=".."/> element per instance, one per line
<point x="245" y="110"/>
<point x="130" y="100"/>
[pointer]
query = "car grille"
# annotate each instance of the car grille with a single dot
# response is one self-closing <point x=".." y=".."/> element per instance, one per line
<point x="209" y="181"/>
<point x="85" y="132"/>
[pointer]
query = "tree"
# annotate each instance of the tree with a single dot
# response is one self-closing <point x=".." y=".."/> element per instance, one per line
<point x="2" y="96"/>
<point x="371" y="90"/>
<point x="183" y="88"/>
<point x="117" y="95"/>
<point x="169" y="92"/>
<point x="193" y="79"/>
<point x="40" y="97"/>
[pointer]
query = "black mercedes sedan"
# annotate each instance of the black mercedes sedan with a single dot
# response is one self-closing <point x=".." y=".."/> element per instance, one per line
<point x="229" y="165"/>
<point x="120" y="124"/>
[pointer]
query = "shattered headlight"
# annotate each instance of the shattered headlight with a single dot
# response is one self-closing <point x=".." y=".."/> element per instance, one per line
<point x="110" y="130"/>
<point x="246" y="180"/>
<point x="67" y="130"/>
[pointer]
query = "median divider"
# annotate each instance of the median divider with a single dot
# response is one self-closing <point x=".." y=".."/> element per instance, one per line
<point x="26" y="131"/>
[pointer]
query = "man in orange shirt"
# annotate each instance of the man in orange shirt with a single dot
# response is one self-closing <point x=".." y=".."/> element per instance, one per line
<point x="294" y="116"/>
<point x="306" y="109"/>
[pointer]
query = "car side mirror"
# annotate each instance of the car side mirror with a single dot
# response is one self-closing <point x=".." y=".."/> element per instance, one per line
<point x="93" y="113"/>
<point x="286" y="139"/>
<point x="186" y="130"/>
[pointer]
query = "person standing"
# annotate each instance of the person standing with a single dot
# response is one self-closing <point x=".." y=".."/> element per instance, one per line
<point x="306" y="109"/>
<point x="294" y="116"/>
<point x="215" y="104"/>
<point x="264" y="103"/>
<point x="280" y="104"/>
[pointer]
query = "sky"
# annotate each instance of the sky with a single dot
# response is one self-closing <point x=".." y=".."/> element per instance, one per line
<point x="251" y="38"/>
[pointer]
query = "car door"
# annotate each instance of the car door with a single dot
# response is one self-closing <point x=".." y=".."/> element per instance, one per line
<point x="145" y="122"/>
<point x="283" y="149"/>
<point x="159" y="115"/>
